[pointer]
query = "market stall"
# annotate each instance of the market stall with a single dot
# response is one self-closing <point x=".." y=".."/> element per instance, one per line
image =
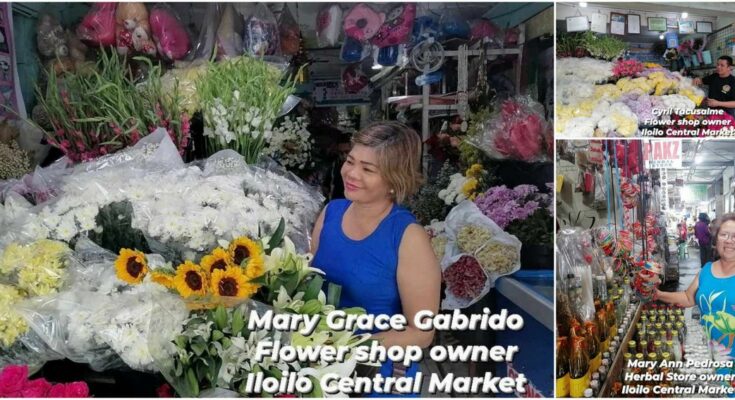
<point x="163" y="185"/>
<point x="621" y="208"/>
<point x="625" y="72"/>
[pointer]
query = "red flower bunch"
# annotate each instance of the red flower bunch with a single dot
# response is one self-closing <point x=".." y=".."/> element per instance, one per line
<point x="520" y="133"/>
<point x="627" y="68"/>
<point x="465" y="278"/>
<point x="14" y="383"/>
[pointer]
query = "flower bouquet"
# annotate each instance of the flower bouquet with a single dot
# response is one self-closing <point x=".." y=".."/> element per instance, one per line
<point x="290" y="143"/>
<point x="471" y="233"/>
<point x="241" y="99"/>
<point x="176" y="208"/>
<point x="627" y="68"/>
<point x="522" y="211"/>
<point x="14" y="382"/>
<point x="98" y="113"/>
<point x="518" y="131"/>
<point x="14" y="162"/>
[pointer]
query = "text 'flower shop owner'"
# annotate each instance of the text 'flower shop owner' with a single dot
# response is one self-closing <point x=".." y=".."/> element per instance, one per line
<point x="373" y="247"/>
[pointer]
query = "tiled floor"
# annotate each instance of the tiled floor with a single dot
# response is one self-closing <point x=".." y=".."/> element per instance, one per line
<point x="688" y="269"/>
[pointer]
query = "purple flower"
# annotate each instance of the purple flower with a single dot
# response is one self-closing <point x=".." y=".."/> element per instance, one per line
<point x="504" y="205"/>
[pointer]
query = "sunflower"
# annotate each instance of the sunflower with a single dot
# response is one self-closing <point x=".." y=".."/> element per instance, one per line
<point x="190" y="280"/>
<point x="131" y="266"/>
<point x="243" y="248"/>
<point x="255" y="267"/>
<point x="163" y="279"/>
<point x="232" y="283"/>
<point x="219" y="259"/>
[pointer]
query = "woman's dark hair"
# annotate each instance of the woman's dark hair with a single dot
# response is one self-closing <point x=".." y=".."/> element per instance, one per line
<point x="703" y="217"/>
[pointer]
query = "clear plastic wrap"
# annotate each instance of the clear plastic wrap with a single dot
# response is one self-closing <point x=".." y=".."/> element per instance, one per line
<point x="260" y="36"/>
<point x="467" y="282"/>
<point x="290" y="33"/>
<point x="169" y="33"/>
<point x="37" y="268"/>
<point x="18" y="343"/>
<point x="518" y="131"/>
<point x="229" y="39"/>
<point x="204" y="47"/>
<point x="470" y="232"/>
<point x="574" y="264"/>
<point x="328" y="25"/>
<point x="98" y="26"/>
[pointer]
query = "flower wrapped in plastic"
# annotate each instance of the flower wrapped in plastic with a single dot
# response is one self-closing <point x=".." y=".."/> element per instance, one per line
<point x="467" y="282"/>
<point x="518" y="131"/>
<point x="627" y="68"/>
<point x="290" y="143"/>
<point x="470" y="232"/>
<point x="178" y="207"/>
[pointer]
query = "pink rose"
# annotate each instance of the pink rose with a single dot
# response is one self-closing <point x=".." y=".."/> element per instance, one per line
<point x="36" y="388"/>
<point x="12" y="379"/>
<point x="74" y="389"/>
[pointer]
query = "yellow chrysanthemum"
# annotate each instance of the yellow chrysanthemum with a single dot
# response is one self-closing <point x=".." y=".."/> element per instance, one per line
<point x="163" y="279"/>
<point x="474" y="171"/>
<point x="190" y="280"/>
<point x="232" y="283"/>
<point x="131" y="266"/>
<point x="243" y="248"/>
<point x="469" y="187"/>
<point x="219" y="259"/>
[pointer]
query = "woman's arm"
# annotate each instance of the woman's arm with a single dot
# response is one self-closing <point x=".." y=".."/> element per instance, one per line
<point x="685" y="299"/>
<point x="317" y="231"/>
<point x="419" y="283"/>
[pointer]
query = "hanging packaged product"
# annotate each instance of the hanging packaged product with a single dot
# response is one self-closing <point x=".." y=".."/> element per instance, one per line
<point x="169" y="33"/>
<point x="353" y="50"/>
<point x="289" y="31"/>
<point x="261" y="37"/>
<point x="133" y="32"/>
<point x="328" y="25"/>
<point x="98" y="26"/>
<point x="362" y="22"/>
<point x="397" y="27"/>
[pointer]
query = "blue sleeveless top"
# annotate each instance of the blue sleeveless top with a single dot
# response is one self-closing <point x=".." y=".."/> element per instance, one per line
<point x="716" y="299"/>
<point x="366" y="269"/>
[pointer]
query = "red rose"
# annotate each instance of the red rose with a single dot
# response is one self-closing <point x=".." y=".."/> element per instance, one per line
<point x="36" y="388"/>
<point x="12" y="379"/>
<point x="164" y="391"/>
<point x="77" y="389"/>
<point x="58" y="391"/>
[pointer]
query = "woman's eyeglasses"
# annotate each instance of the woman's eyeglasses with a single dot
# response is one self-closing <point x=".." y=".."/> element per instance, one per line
<point x="726" y="236"/>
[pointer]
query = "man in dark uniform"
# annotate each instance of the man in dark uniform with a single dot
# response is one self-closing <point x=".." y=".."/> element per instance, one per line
<point x="721" y="86"/>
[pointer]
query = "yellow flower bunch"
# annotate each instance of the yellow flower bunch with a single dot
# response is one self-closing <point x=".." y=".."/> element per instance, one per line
<point x="651" y="65"/>
<point x="662" y="84"/>
<point x="641" y="85"/>
<point x="222" y="273"/>
<point x="626" y="126"/>
<point x="607" y="92"/>
<point x="474" y="176"/>
<point x="39" y="266"/>
<point x="696" y="98"/>
<point x="12" y="325"/>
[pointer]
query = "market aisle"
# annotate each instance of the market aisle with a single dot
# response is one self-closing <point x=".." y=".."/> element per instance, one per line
<point x="688" y="268"/>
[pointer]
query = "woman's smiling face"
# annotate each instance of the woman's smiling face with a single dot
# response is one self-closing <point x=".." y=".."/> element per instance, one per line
<point x="726" y="241"/>
<point x="362" y="177"/>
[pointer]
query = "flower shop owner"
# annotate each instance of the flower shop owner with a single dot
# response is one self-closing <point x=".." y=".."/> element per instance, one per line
<point x="712" y="290"/>
<point x="373" y="247"/>
<point x="721" y="85"/>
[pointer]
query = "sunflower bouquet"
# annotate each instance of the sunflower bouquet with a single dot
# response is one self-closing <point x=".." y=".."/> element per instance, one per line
<point x="223" y="275"/>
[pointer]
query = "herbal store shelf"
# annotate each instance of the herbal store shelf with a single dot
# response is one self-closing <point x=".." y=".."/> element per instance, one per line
<point x="617" y="365"/>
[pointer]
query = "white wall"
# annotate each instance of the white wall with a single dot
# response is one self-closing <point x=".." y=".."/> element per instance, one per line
<point x="565" y="10"/>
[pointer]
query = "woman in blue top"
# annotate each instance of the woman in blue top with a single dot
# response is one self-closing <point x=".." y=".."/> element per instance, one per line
<point x="373" y="247"/>
<point x="713" y="290"/>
